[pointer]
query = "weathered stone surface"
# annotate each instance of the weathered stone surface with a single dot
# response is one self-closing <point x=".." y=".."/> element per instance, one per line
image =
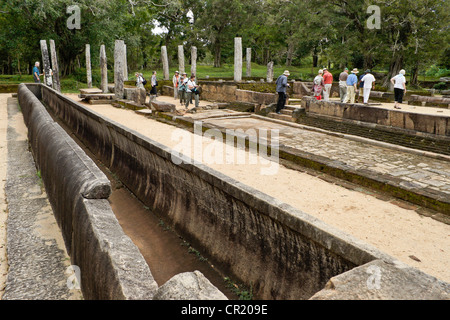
<point x="111" y="265"/>
<point x="270" y="72"/>
<point x="194" y="60"/>
<point x="88" y="66"/>
<point x="165" y="62"/>
<point x="163" y="106"/>
<point x="55" y="67"/>
<point x="189" y="286"/>
<point x="238" y="59"/>
<point x="378" y="280"/>
<point x="103" y="69"/>
<point x="181" y="59"/>
<point x="45" y="61"/>
<point x="119" y="68"/>
<point x="249" y="62"/>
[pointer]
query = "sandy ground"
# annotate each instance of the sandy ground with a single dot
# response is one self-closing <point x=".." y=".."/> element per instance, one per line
<point x="3" y="205"/>
<point x="397" y="231"/>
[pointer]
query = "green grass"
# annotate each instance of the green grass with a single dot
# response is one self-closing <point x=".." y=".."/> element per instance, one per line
<point x="75" y="82"/>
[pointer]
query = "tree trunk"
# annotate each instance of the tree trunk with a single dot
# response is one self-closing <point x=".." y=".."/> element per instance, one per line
<point x="414" y="75"/>
<point x="394" y="68"/>
<point x="217" y="55"/>
<point x="289" y="55"/>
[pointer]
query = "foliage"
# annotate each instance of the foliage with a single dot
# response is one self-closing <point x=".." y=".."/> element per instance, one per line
<point x="413" y="34"/>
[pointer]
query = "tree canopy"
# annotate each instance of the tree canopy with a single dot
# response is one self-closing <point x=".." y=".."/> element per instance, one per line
<point x="412" y="34"/>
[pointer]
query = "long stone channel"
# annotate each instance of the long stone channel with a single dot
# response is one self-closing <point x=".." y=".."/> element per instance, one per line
<point x="283" y="252"/>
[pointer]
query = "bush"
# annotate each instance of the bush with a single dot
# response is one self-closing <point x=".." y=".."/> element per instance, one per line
<point x="440" y="86"/>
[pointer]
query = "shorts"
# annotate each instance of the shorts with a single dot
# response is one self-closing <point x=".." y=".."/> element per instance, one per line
<point x="398" y="94"/>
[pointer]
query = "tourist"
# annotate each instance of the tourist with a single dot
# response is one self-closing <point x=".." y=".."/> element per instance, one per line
<point x="369" y="84"/>
<point x="282" y="84"/>
<point x="399" y="82"/>
<point x="192" y="92"/>
<point x="154" y="84"/>
<point x="175" y="81"/>
<point x="352" y="81"/>
<point x="36" y="74"/>
<point x="139" y="80"/>
<point x="328" y="83"/>
<point x="361" y="88"/>
<point x="182" y="82"/>
<point x="343" y="84"/>
<point x="318" y="85"/>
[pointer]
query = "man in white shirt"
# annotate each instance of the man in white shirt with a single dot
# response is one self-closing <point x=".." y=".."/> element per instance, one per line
<point x="191" y="91"/>
<point x="369" y="83"/>
<point x="399" y="82"/>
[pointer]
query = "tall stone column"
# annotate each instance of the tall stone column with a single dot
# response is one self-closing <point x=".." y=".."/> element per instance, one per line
<point x="165" y="62"/>
<point x="237" y="59"/>
<point x="194" y="61"/>
<point x="249" y="62"/>
<point x="55" y="68"/>
<point x="270" y="72"/>
<point x="125" y="63"/>
<point x="181" y="59"/>
<point x="88" y="66"/>
<point x="45" y="60"/>
<point x="103" y="69"/>
<point x="118" y="68"/>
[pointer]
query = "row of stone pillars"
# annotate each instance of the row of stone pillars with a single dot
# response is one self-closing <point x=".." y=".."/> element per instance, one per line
<point x="121" y="70"/>
<point x="237" y="61"/>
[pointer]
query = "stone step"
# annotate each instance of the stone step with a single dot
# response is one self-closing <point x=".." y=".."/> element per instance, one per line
<point x="280" y="117"/>
<point x="287" y="112"/>
<point x="293" y="108"/>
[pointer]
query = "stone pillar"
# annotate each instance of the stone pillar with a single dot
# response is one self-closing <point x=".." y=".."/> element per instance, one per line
<point x="165" y="63"/>
<point x="88" y="66"/>
<point x="118" y="68"/>
<point x="194" y="61"/>
<point x="181" y="59"/>
<point x="125" y="63"/>
<point x="249" y="62"/>
<point x="103" y="69"/>
<point x="55" y="68"/>
<point x="237" y="59"/>
<point x="270" y="72"/>
<point x="45" y="60"/>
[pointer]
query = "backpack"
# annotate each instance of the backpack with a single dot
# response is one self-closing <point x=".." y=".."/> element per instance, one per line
<point x="144" y="82"/>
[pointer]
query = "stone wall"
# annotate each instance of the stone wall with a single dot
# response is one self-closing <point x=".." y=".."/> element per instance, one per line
<point x="111" y="265"/>
<point x="281" y="252"/>
<point x="436" y="125"/>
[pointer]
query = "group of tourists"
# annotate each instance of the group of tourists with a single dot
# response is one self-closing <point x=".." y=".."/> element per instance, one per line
<point x="348" y="86"/>
<point x="185" y="88"/>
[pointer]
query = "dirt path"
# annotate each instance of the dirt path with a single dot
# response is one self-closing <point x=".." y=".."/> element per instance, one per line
<point x="397" y="231"/>
<point x="3" y="206"/>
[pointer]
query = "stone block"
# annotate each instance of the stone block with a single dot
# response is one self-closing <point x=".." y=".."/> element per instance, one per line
<point x="189" y="286"/>
<point x="378" y="280"/>
<point x="163" y="106"/>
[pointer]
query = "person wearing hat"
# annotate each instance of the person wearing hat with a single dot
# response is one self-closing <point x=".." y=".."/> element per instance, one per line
<point x="352" y="81"/>
<point x="343" y="84"/>
<point x="175" y="80"/>
<point x="318" y="85"/>
<point x="282" y="84"/>
<point x="369" y="84"/>
<point x="182" y="84"/>
<point x="399" y="82"/>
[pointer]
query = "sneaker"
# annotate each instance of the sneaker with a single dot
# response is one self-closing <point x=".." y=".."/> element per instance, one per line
<point x="278" y="112"/>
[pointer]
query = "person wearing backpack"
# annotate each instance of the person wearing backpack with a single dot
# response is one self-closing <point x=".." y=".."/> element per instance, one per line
<point x="182" y="82"/>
